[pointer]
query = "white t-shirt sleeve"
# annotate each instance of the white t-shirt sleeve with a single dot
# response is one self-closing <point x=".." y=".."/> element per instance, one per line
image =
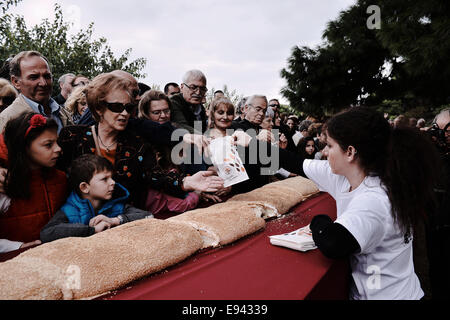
<point x="366" y="218"/>
<point x="320" y="172"/>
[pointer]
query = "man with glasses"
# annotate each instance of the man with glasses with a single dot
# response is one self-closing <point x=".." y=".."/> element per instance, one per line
<point x="255" y="110"/>
<point x="32" y="77"/>
<point x="187" y="107"/>
<point x="260" y="152"/>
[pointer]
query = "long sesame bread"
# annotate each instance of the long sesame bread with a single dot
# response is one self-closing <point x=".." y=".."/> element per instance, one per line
<point x="224" y="223"/>
<point x="76" y="268"/>
<point x="303" y="185"/>
<point x="80" y="268"/>
<point x="282" y="195"/>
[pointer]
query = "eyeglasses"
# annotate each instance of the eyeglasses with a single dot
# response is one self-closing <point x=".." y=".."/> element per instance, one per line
<point x="7" y="100"/>
<point x="158" y="112"/>
<point x="119" y="107"/>
<point x="258" y="109"/>
<point x="193" y="87"/>
<point x="274" y="105"/>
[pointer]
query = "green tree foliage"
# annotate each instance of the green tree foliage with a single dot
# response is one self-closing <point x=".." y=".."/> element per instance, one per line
<point x="4" y="5"/>
<point x="5" y="18"/>
<point x="77" y="53"/>
<point x="419" y="33"/>
<point x="349" y="67"/>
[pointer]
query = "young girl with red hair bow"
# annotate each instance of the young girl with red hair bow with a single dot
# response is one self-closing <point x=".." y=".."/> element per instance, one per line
<point x="33" y="188"/>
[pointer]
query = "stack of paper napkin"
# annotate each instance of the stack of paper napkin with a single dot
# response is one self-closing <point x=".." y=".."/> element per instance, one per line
<point x="300" y="240"/>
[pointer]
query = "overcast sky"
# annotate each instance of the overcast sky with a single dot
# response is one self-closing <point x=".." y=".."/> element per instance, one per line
<point x="241" y="43"/>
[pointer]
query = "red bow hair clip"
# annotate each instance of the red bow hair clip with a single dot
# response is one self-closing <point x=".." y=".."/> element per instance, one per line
<point x="38" y="120"/>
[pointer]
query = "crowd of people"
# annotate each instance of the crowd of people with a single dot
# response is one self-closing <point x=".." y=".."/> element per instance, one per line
<point x="102" y="153"/>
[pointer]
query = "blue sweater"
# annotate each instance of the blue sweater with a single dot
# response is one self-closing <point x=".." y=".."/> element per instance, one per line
<point x="80" y="210"/>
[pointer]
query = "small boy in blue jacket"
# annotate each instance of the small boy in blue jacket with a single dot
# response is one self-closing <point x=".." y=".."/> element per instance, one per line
<point x="96" y="203"/>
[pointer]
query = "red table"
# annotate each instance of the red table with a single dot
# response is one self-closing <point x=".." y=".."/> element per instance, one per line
<point x="251" y="268"/>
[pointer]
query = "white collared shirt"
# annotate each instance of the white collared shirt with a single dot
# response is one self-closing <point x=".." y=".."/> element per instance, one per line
<point x="54" y="107"/>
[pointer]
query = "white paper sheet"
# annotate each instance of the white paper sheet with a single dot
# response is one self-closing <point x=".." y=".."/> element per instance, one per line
<point x="300" y="240"/>
<point x="226" y="160"/>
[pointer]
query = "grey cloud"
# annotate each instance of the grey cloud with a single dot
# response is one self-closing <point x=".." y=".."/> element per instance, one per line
<point x="241" y="43"/>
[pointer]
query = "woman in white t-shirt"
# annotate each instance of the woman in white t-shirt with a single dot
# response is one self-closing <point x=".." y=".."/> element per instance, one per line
<point x="381" y="179"/>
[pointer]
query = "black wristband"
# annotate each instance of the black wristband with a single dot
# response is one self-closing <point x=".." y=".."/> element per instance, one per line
<point x="320" y="222"/>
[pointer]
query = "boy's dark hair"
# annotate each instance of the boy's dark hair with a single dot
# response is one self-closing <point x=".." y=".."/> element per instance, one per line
<point x="84" y="168"/>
